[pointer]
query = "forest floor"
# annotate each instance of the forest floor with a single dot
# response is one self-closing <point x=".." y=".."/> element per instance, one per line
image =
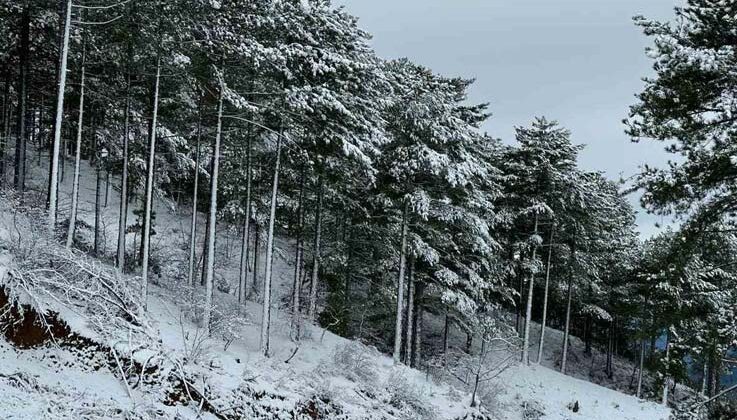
<point x="321" y="376"/>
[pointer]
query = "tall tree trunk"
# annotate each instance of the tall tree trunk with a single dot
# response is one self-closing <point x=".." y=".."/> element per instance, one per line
<point x="316" y="250"/>
<point x="246" y="226"/>
<point x="123" y="217"/>
<point x="528" y="311"/>
<point x="77" y="157"/>
<point x="666" y="381"/>
<point x="98" y="208"/>
<point x="7" y="115"/>
<point x="256" y="242"/>
<point x="568" y="326"/>
<point x="54" y="182"/>
<point x="266" y="318"/>
<point x="410" y="315"/>
<point x="20" y="141"/>
<point x="400" y="285"/>
<point x="642" y="365"/>
<point x="209" y="274"/>
<point x="195" y="195"/>
<point x="419" y="316"/>
<point x="610" y="348"/>
<point x="297" y="287"/>
<point x="541" y="344"/>
<point x="146" y="235"/>
<point x="446" y="332"/>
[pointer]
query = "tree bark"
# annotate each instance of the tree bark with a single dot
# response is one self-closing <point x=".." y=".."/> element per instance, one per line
<point x="20" y="141"/>
<point x="246" y="226"/>
<point x="666" y="381"/>
<point x="195" y="195"/>
<point x="642" y="365"/>
<point x="568" y="325"/>
<point x="400" y="286"/>
<point x="210" y="272"/>
<point x="146" y="235"/>
<point x="297" y="287"/>
<point x="256" y="242"/>
<point x="543" y="322"/>
<point x="266" y="318"/>
<point x="7" y="115"/>
<point x="528" y="311"/>
<point x="123" y="216"/>
<point x="419" y="318"/>
<point x="77" y="159"/>
<point x="54" y="181"/>
<point x="316" y="250"/>
<point x="410" y="315"/>
<point x="98" y="208"/>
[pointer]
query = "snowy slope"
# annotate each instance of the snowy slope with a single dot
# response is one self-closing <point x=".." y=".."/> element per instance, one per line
<point x="55" y="383"/>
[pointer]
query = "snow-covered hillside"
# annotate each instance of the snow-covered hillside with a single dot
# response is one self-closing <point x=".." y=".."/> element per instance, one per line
<point x="322" y="376"/>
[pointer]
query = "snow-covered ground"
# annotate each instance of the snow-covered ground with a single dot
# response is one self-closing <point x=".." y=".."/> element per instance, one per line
<point x="351" y="380"/>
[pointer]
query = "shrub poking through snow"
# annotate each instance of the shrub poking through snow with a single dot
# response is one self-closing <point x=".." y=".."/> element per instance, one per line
<point x="354" y="361"/>
<point x="408" y="397"/>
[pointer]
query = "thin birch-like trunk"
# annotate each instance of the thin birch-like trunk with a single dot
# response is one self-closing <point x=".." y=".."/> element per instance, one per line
<point x="400" y="287"/>
<point x="266" y="318"/>
<point x="98" y="208"/>
<point x="666" y="382"/>
<point x="541" y="345"/>
<point x="297" y="288"/>
<point x="410" y="315"/>
<point x="528" y="312"/>
<point x="316" y="250"/>
<point x="54" y="180"/>
<point x="20" y="141"/>
<point x="567" y="329"/>
<point x="210" y="271"/>
<point x="419" y="317"/>
<point x="195" y="194"/>
<point x="246" y="227"/>
<point x="146" y="236"/>
<point x="642" y="365"/>
<point x="123" y="216"/>
<point x="77" y="157"/>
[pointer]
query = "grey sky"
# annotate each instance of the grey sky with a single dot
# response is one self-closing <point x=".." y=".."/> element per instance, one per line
<point x="577" y="61"/>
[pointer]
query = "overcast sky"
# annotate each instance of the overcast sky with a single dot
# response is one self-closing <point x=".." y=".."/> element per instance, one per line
<point x="576" y="61"/>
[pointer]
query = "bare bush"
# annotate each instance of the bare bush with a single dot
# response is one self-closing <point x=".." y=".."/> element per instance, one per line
<point x="407" y="396"/>
<point x="354" y="361"/>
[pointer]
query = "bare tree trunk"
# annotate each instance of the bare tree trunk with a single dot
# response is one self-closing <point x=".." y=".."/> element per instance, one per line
<point x="400" y="286"/>
<point x="478" y="373"/>
<point x="567" y="329"/>
<point x="545" y="298"/>
<point x="266" y="318"/>
<point x="642" y="365"/>
<point x="7" y="115"/>
<point x="209" y="273"/>
<point x="410" y="315"/>
<point x="256" y="242"/>
<point x="446" y="332"/>
<point x="20" y="141"/>
<point x="666" y="381"/>
<point x="77" y="158"/>
<point x="53" y="192"/>
<point x="297" y="288"/>
<point x="123" y="217"/>
<point x="316" y="250"/>
<point x="98" y="208"/>
<point x="195" y="195"/>
<point x="246" y="227"/>
<point x="146" y="235"/>
<point x="528" y="312"/>
<point x="419" y="317"/>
